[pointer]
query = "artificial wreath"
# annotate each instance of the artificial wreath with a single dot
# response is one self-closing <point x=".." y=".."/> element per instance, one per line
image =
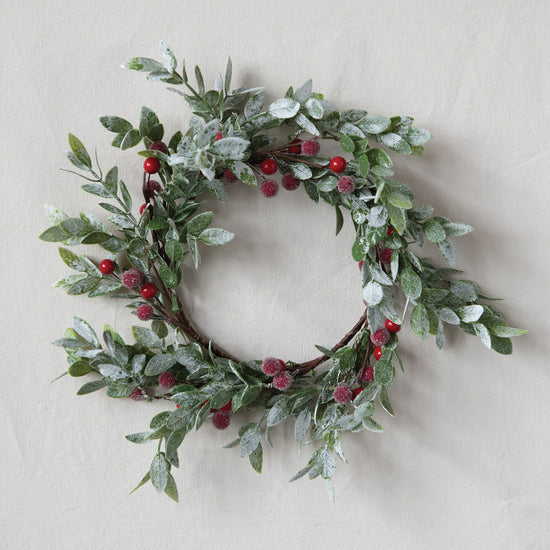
<point x="144" y="253"/>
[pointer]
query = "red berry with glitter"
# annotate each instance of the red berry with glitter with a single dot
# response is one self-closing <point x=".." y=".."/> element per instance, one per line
<point x="269" y="188"/>
<point x="290" y="182"/>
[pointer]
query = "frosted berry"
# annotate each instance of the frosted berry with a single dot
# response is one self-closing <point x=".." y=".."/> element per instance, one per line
<point x="377" y="352"/>
<point x="338" y="164"/>
<point x="356" y="392"/>
<point x="385" y="255"/>
<point x="229" y="176"/>
<point x="142" y="208"/>
<point x="153" y="187"/>
<point x="346" y="185"/>
<point x="360" y="265"/>
<point x="132" y="277"/>
<point x="167" y="380"/>
<point x="148" y="290"/>
<point x="310" y="147"/>
<point x="269" y="167"/>
<point x="368" y="375"/>
<point x="282" y="380"/>
<point x="380" y="337"/>
<point x="295" y="147"/>
<point x="342" y="394"/>
<point x="391" y="326"/>
<point x="144" y="312"/>
<point x="220" y="420"/>
<point x="107" y="266"/>
<point x="151" y="165"/>
<point x="159" y="146"/>
<point x="138" y="395"/>
<point x="227" y="407"/>
<point x="271" y="366"/>
<point x="219" y="136"/>
<point x="290" y="182"/>
<point x="269" y="188"/>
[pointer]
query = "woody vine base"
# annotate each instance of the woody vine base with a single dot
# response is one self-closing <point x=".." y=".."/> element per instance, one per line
<point x="228" y="143"/>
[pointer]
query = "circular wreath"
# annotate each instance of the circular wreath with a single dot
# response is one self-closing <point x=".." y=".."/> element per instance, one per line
<point x="172" y="360"/>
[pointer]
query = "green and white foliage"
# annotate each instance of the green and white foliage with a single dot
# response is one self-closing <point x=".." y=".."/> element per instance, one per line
<point x="230" y="131"/>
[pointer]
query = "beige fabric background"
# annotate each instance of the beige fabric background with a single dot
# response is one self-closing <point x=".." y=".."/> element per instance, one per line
<point x="464" y="465"/>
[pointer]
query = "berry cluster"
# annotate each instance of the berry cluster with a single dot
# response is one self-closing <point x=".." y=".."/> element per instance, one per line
<point x="276" y="368"/>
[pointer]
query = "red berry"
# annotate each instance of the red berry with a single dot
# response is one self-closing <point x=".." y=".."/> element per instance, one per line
<point x="220" y="420"/>
<point x="377" y="352"/>
<point x="342" y="394"/>
<point x="167" y="380"/>
<point x="368" y="375"/>
<point x="338" y="164"/>
<point x="138" y="395"/>
<point x="269" y="188"/>
<point x="295" y="147"/>
<point x="148" y="290"/>
<point x="356" y="392"/>
<point x="159" y="146"/>
<point x="269" y="167"/>
<point x="142" y="208"/>
<point x="346" y="185"/>
<point x="389" y="231"/>
<point x="227" y="407"/>
<point x="283" y="364"/>
<point x="219" y="136"/>
<point x="282" y="380"/>
<point x="153" y="187"/>
<point x="151" y="165"/>
<point x="385" y="255"/>
<point x="380" y="337"/>
<point x="290" y="182"/>
<point x="310" y="147"/>
<point x="360" y="264"/>
<point x="144" y="312"/>
<point x="229" y="176"/>
<point x="132" y="277"/>
<point x="391" y="326"/>
<point x="271" y="366"/>
<point x="107" y="266"/>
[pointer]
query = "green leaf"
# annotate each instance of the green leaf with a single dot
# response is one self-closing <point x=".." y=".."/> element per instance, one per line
<point x="483" y="332"/>
<point x="284" y="108"/>
<point x="130" y="139"/>
<point x="470" y="314"/>
<point x="254" y="104"/>
<point x="171" y="488"/>
<point x="504" y="331"/>
<point x="384" y="373"/>
<point x="159" y="472"/>
<point x="396" y="143"/>
<point x="83" y="329"/>
<point x="79" y="368"/>
<point x="97" y="189"/>
<point x="501" y="345"/>
<point x="303" y="422"/>
<point x="454" y="229"/>
<point x="111" y="180"/>
<point x="363" y="165"/>
<point x="83" y="286"/>
<point x="373" y="293"/>
<point x="79" y="151"/>
<point x="242" y="171"/>
<point x="256" y="458"/>
<point x="434" y="231"/>
<point x="304" y="122"/>
<point x="378" y="157"/>
<point x="411" y="284"/>
<point x="374" y="124"/>
<point x="146" y="338"/>
<point x="448" y="316"/>
<point x="398" y="218"/>
<point x="314" y="108"/>
<point x="326" y="463"/>
<point x="115" y="124"/>
<point x="301" y="171"/>
<point x="54" y="234"/>
<point x="232" y="148"/>
<point x="190" y="356"/>
<point x="143" y="64"/>
<point x="347" y="144"/>
<point x="418" y="136"/>
<point x="159" y="363"/>
<point x="199" y="223"/>
<point x="420" y="323"/>
<point x="216" y="236"/>
<point x="447" y="249"/>
<point x="91" y="387"/>
<point x="250" y="440"/>
<point x="174" y="250"/>
<point x="149" y="125"/>
<point x="385" y="400"/>
<point x="339" y="219"/>
<point x="278" y="412"/>
<point x="464" y="290"/>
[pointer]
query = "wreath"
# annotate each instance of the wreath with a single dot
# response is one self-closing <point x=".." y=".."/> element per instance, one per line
<point x="227" y="143"/>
